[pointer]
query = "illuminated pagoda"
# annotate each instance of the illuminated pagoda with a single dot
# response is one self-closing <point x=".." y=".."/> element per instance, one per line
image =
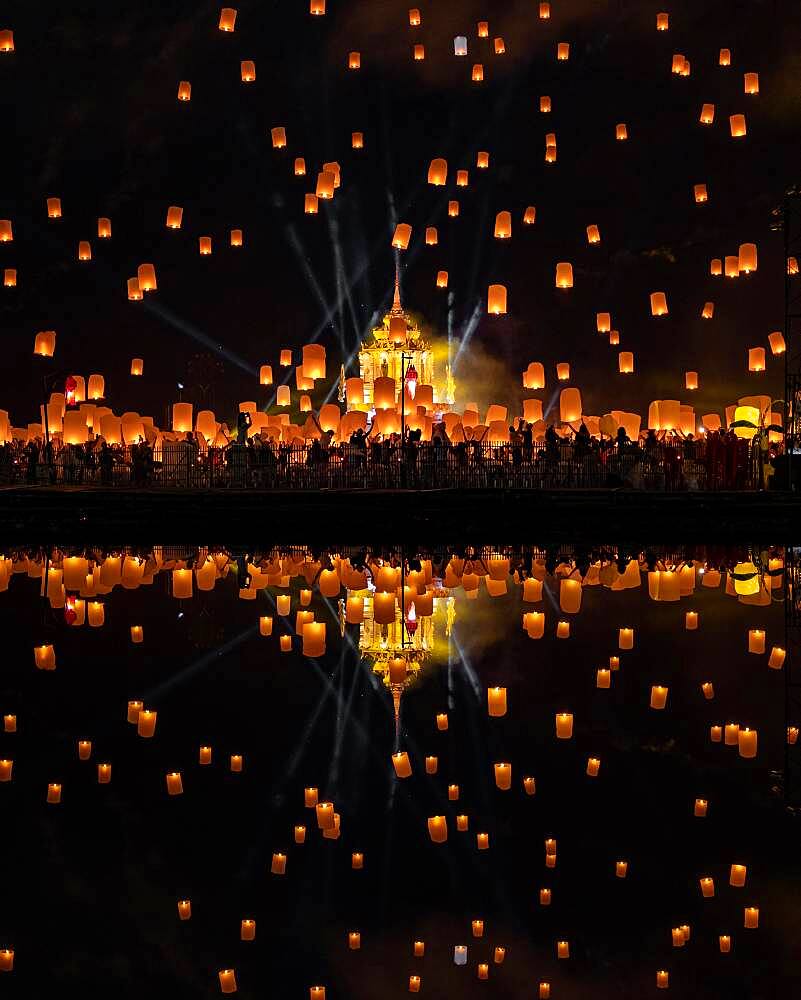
<point x="396" y="346"/>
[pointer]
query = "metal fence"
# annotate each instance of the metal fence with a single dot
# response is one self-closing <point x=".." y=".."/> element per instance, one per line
<point x="670" y="466"/>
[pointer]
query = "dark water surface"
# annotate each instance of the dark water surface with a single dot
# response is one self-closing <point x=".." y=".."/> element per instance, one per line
<point x="91" y="884"/>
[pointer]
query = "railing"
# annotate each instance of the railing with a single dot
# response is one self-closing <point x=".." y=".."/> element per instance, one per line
<point x="386" y="465"/>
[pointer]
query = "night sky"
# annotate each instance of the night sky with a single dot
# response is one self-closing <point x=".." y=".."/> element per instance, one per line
<point x="91" y="115"/>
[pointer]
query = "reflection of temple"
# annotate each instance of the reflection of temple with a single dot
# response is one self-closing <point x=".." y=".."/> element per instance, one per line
<point x="381" y="357"/>
<point x="400" y="649"/>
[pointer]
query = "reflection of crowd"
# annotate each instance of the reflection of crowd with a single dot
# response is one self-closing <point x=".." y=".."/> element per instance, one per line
<point x="656" y="460"/>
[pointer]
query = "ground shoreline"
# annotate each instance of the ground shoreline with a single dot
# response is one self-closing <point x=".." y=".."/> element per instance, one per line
<point x="66" y="514"/>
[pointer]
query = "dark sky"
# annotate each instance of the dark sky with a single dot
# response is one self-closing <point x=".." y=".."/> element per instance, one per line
<point x="91" y="116"/>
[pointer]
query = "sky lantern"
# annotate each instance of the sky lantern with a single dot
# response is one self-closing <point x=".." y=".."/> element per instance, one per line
<point x="104" y="228"/>
<point x="310" y="203"/>
<point x="626" y="363"/>
<point x="747" y="257"/>
<point x="659" y="305"/>
<point x="496" y="300"/>
<point x="756" y="359"/>
<point x="247" y="70"/>
<point x="204" y="245"/>
<point x="737" y="126"/>
<point x="236" y="237"/>
<point x="432" y="237"/>
<point x="419" y="53"/>
<point x="564" y="275"/>
<point x="724" y="59"/>
<point x="442" y="279"/>
<point x="503" y="225"/>
<point x="545" y="11"/>
<point x="462" y="178"/>
<point x="146" y="276"/>
<point x="278" y="137"/>
<point x="357" y="140"/>
<point x="317" y="7"/>
<point x="403" y="233"/>
<point x="570" y="406"/>
<point x="677" y="64"/>
<point x="691" y="380"/>
<point x="751" y="83"/>
<point x="6" y="231"/>
<point x="621" y="132"/>
<point x="134" y="291"/>
<point x="545" y="104"/>
<point x="716" y="267"/>
<point x="45" y="343"/>
<point x="777" y="344"/>
<point x="530" y="215"/>
<point x="300" y="167"/>
<point x="534" y="376"/>
<point x="414" y="17"/>
<point x="460" y="46"/>
<point x="731" y="266"/>
<point x="603" y="322"/>
<point x="325" y="185"/>
<point x="563" y="51"/>
<point x="500" y="46"/>
<point x="482" y="29"/>
<point x="707" y="114"/>
<point x="563" y="371"/>
<point x="175" y="216"/>
<point x="700" y="194"/>
<point x="184" y="90"/>
<point x="227" y="19"/>
<point x="662" y="22"/>
<point x="9" y="277"/>
<point x="478" y="73"/>
<point x="482" y="160"/>
<point x="453" y="209"/>
<point x="708" y="311"/>
<point x="54" y="208"/>
<point x="354" y="60"/>
<point x="593" y="234"/>
<point x="84" y="250"/>
<point x="6" y="40"/>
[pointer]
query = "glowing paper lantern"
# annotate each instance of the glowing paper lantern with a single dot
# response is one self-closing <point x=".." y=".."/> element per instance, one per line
<point x="54" y="208"/>
<point x="247" y="70"/>
<point x="751" y="83"/>
<point x="354" y="60"/>
<point x="724" y="59"/>
<point x="626" y="363"/>
<point x="496" y="300"/>
<point x="747" y="257"/>
<point x="503" y="225"/>
<point x="403" y="233"/>
<point x="564" y="275"/>
<point x="227" y="19"/>
<point x="621" y="132"/>
<point x="278" y="137"/>
<point x="44" y="343"/>
<point x="530" y="215"/>
<point x="460" y="46"/>
<point x="184" y="91"/>
<point x="563" y="51"/>
<point x="707" y="114"/>
<point x="777" y="344"/>
<point x="756" y="359"/>
<point x="737" y="126"/>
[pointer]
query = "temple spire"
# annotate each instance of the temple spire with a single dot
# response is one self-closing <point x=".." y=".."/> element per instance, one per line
<point x="397" y="308"/>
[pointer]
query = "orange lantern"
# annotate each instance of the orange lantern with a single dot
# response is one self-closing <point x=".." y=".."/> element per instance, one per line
<point x="184" y="91"/>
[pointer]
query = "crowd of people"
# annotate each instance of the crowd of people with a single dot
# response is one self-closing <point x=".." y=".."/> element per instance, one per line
<point x="656" y="460"/>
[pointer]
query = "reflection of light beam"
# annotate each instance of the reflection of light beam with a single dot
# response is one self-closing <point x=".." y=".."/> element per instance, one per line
<point x="470" y="673"/>
<point x="195" y="668"/>
<point x="192" y="331"/>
